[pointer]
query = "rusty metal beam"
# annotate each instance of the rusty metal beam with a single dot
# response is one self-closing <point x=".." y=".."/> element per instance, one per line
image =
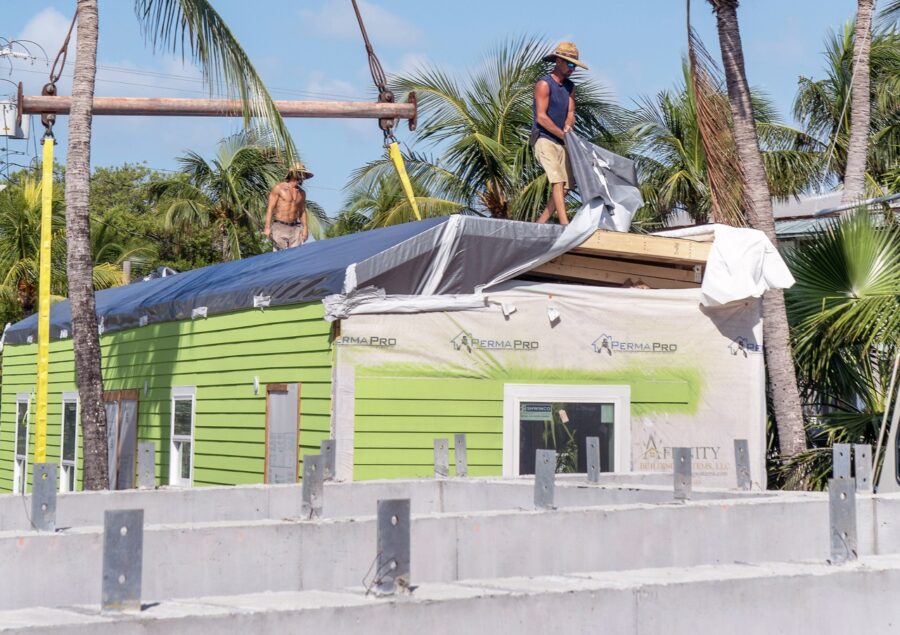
<point x="169" y="107"/>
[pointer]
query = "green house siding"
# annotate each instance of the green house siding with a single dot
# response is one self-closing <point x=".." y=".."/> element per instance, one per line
<point x="219" y="356"/>
<point x="398" y="418"/>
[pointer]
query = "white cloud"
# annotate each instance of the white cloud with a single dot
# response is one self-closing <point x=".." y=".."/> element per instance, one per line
<point x="336" y="18"/>
<point x="412" y="62"/>
<point x="48" y="28"/>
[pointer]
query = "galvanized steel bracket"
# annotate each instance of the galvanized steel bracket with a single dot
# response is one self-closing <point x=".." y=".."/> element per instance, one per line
<point x="123" y="554"/>
<point x="392" y="572"/>
<point x="313" y="488"/>
<point x="441" y="458"/>
<point x="43" y="497"/>
<point x="146" y="465"/>
<point x="328" y="452"/>
<point x="742" y="464"/>
<point x="592" y="445"/>
<point x="460" y="455"/>
<point x="862" y="466"/>
<point x="840" y="454"/>
<point x="842" y="516"/>
<point x="683" y="473"/>
<point x="544" y="479"/>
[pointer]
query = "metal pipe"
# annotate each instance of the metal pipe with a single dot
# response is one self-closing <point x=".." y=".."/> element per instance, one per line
<point x="140" y="106"/>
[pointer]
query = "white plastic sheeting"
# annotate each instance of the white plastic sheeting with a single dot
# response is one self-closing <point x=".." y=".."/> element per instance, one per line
<point x="743" y="263"/>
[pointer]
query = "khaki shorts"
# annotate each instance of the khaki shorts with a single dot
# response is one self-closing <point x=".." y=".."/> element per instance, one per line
<point x="286" y="236"/>
<point x="555" y="161"/>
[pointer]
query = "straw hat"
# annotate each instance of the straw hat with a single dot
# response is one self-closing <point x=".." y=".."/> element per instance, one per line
<point x="567" y="51"/>
<point x="300" y="169"/>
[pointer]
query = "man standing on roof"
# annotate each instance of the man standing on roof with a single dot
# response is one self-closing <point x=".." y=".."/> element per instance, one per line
<point x="288" y="202"/>
<point x="554" y="116"/>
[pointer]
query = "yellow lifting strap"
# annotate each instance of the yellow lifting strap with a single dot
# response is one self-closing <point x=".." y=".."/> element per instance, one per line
<point x="43" y="361"/>
<point x="397" y="158"/>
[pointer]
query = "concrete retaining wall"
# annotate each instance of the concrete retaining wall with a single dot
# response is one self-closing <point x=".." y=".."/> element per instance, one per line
<point x="258" y="502"/>
<point x="274" y="555"/>
<point x="737" y="599"/>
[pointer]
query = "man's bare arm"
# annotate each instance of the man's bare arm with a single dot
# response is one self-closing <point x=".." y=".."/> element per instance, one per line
<point x="305" y="234"/>
<point x="273" y="199"/>
<point x="570" y="118"/>
<point x="542" y="102"/>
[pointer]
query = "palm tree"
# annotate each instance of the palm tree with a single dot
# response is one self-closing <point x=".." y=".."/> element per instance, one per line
<point x="860" y="115"/>
<point x="845" y="316"/>
<point x="672" y="161"/>
<point x="20" y="218"/>
<point x="229" y="192"/>
<point x="783" y="389"/>
<point x="823" y="106"/>
<point x="185" y="25"/>
<point x="481" y="126"/>
<point x="382" y="202"/>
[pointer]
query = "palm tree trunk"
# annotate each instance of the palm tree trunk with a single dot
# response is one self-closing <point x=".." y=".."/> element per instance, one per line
<point x="86" y="340"/>
<point x="779" y="359"/>
<point x="858" y="150"/>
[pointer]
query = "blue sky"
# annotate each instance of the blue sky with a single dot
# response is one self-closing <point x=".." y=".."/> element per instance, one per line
<point x="311" y="49"/>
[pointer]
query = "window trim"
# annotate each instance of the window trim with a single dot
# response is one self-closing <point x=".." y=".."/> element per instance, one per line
<point x="20" y="477"/>
<point x="181" y="393"/>
<point x="69" y="397"/>
<point x="619" y="396"/>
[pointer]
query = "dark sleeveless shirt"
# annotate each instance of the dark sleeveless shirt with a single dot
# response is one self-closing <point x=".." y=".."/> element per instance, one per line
<point x="557" y="107"/>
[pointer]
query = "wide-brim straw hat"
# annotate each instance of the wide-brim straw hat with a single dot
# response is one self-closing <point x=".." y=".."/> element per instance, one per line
<point x="567" y="51"/>
<point x="300" y="169"/>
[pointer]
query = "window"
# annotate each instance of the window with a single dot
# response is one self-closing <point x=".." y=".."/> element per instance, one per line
<point x="181" y="457"/>
<point x="121" y="436"/>
<point x="20" y="468"/>
<point x="68" y="455"/>
<point x="561" y="418"/>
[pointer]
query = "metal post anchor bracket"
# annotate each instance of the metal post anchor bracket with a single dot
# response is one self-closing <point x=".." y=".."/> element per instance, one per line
<point x="840" y="454"/>
<point x="683" y="473"/>
<point x="842" y="517"/>
<point x="313" y="487"/>
<point x="123" y="555"/>
<point x="593" y="459"/>
<point x="742" y="464"/>
<point x="441" y="458"/>
<point x="461" y="455"/>
<point x="328" y="452"/>
<point x="43" y="497"/>
<point x="392" y="572"/>
<point x="862" y="466"/>
<point x="146" y="465"/>
<point x="544" y="479"/>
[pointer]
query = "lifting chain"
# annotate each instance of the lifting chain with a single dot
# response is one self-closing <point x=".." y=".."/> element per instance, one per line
<point x="379" y="79"/>
<point x="49" y="89"/>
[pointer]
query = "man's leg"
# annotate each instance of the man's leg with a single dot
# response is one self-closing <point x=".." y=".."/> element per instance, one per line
<point x="548" y="211"/>
<point x="559" y="200"/>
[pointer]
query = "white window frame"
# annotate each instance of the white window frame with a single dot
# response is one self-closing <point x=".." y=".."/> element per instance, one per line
<point x="20" y="463"/>
<point x="68" y="397"/>
<point x="618" y="396"/>
<point x="181" y="393"/>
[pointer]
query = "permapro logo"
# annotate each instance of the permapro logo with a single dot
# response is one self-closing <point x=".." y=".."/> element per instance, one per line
<point x="468" y="342"/>
<point x="607" y="344"/>
<point x="741" y="346"/>
<point x="374" y="340"/>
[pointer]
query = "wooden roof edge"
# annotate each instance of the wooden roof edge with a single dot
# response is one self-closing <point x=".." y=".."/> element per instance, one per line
<point x="645" y="247"/>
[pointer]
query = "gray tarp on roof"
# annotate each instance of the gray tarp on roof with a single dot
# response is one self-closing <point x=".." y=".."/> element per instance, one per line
<point x="448" y="255"/>
<point x="605" y="178"/>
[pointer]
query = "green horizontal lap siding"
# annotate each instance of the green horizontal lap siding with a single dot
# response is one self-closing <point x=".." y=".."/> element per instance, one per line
<point x="219" y="356"/>
<point x="397" y="420"/>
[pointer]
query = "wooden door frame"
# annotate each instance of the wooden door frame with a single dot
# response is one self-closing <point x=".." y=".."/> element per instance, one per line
<point x="282" y="387"/>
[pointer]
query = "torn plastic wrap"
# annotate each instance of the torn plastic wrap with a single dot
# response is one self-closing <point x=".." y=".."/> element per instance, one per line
<point x="606" y="182"/>
<point x="743" y="263"/>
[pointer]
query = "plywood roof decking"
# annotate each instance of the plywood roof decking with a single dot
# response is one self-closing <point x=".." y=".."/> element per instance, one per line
<point x="618" y="259"/>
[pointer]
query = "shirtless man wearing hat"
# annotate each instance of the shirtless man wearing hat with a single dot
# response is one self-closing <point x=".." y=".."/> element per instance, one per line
<point x="288" y="203"/>
<point x="554" y="116"/>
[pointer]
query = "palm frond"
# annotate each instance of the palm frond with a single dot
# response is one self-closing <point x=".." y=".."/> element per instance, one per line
<point x="194" y="28"/>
